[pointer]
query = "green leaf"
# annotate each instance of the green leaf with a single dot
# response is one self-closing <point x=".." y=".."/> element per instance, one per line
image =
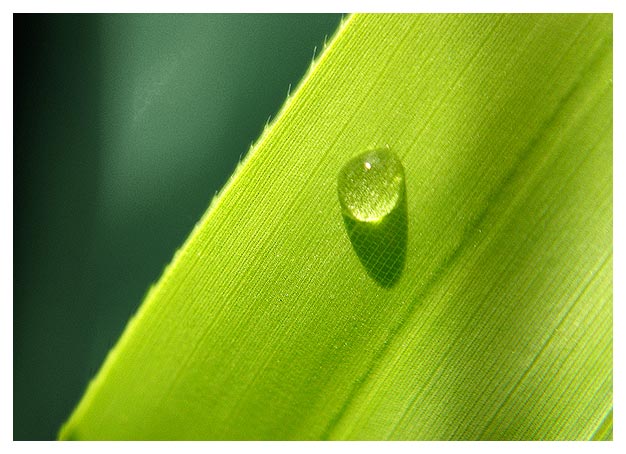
<point x="267" y="325"/>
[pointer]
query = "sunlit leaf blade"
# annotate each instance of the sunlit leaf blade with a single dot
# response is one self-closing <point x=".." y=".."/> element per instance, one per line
<point x="267" y="326"/>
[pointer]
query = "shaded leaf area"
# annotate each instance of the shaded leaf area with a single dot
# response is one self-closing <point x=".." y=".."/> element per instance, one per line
<point x="266" y="324"/>
<point x="381" y="247"/>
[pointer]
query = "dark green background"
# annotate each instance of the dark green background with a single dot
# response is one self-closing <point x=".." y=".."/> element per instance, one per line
<point x="125" y="126"/>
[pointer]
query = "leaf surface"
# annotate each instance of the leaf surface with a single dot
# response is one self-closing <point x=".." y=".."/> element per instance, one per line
<point x="267" y="325"/>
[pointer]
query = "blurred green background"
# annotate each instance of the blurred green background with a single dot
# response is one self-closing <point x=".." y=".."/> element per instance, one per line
<point x="125" y="126"/>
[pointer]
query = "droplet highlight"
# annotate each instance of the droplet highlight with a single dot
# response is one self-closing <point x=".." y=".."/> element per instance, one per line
<point x="372" y="195"/>
<point x="371" y="185"/>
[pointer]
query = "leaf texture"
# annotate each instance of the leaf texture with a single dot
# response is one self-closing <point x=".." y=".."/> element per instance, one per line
<point x="266" y="324"/>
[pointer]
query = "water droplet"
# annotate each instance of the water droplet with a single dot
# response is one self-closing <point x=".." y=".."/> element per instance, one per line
<point x="372" y="196"/>
<point x="371" y="185"/>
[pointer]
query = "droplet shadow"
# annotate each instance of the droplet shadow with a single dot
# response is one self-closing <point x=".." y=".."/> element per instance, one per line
<point x="381" y="247"/>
